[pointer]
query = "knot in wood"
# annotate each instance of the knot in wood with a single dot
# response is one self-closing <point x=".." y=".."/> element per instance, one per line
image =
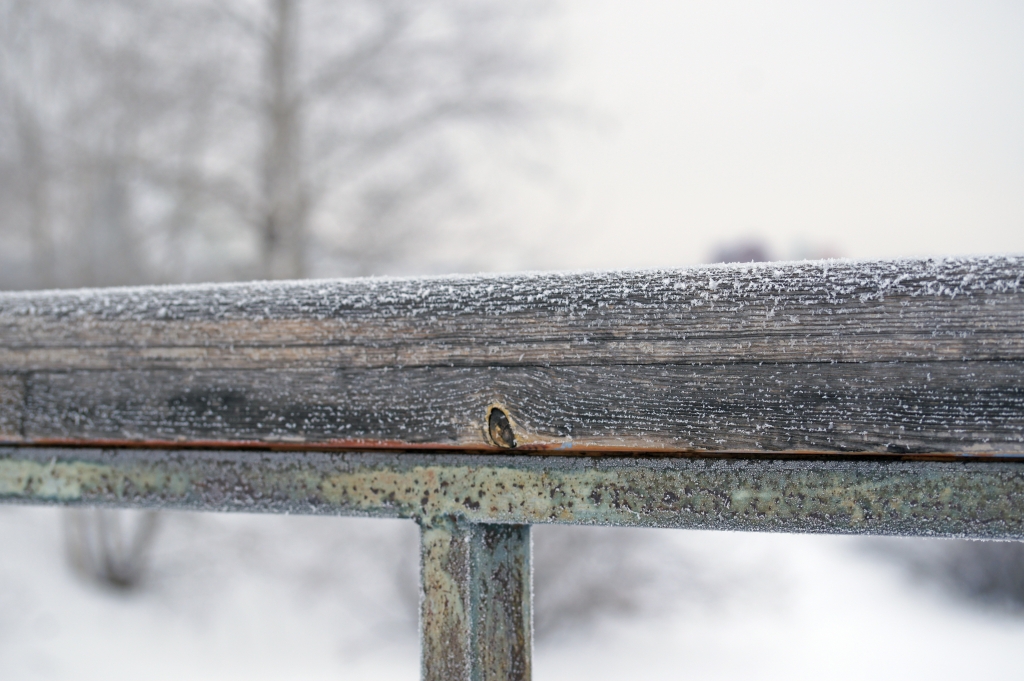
<point x="500" y="429"/>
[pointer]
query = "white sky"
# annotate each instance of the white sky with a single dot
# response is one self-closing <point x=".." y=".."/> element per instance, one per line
<point x="868" y="129"/>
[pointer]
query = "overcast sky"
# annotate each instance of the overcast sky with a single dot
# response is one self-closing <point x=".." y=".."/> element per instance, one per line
<point x="863" y="129"/>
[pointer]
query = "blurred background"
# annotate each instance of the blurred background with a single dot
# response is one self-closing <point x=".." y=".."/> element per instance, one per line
<point x="147" y="142"/>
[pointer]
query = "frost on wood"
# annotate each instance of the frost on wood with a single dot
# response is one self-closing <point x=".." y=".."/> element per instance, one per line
<point x="902" y="357"/>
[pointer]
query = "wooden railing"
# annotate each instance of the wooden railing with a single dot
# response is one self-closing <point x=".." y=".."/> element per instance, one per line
<point x="843" y="397"/>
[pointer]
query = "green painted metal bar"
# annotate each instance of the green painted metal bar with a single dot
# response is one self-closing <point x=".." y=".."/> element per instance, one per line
<point x="982" y="499"/>
<point x="475" y="605"/>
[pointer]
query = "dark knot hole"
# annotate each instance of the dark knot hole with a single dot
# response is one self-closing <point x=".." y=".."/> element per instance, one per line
<point x="500" y="429"/>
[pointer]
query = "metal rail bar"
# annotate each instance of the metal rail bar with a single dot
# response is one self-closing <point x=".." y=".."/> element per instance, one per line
<point x="476" y="600"/>
<point x="980" y="499"/>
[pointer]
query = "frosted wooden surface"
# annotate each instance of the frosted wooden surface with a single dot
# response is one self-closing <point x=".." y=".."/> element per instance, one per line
<point x="923" y="356"/>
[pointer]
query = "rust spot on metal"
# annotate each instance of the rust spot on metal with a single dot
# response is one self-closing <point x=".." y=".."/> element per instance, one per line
<point x="499" y="428"/>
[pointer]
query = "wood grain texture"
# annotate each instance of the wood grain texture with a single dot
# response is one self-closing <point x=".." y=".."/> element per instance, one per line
<point x="904" y="357"/>
<point x="12" y="402"/>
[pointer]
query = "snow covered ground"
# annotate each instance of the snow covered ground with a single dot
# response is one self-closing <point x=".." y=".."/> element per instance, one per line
<point x="256" y="597"/>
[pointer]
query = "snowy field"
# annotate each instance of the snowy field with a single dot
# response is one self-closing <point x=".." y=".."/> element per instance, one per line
<point x="257" y="597"/>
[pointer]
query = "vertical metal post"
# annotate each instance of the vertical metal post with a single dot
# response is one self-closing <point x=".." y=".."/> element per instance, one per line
<point x="476" y="621"/>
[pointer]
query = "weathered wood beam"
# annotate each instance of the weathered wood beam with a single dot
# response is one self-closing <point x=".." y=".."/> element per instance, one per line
<point x="904" y="357"/>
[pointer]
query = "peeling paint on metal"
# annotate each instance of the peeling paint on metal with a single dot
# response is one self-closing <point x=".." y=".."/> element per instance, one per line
<point x="475" y="601"/>
<point x="937" y="498"/>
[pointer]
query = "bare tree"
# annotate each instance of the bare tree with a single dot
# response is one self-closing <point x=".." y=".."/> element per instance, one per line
<point x="269" y="138"/>
<point x="353" y="127"/>
<point x="77" y="103"/>
<point x="110" y="547"/>
<point x="284" y="228"/>
<point x="25" y="164"/>
<point x="986" y="573"/>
